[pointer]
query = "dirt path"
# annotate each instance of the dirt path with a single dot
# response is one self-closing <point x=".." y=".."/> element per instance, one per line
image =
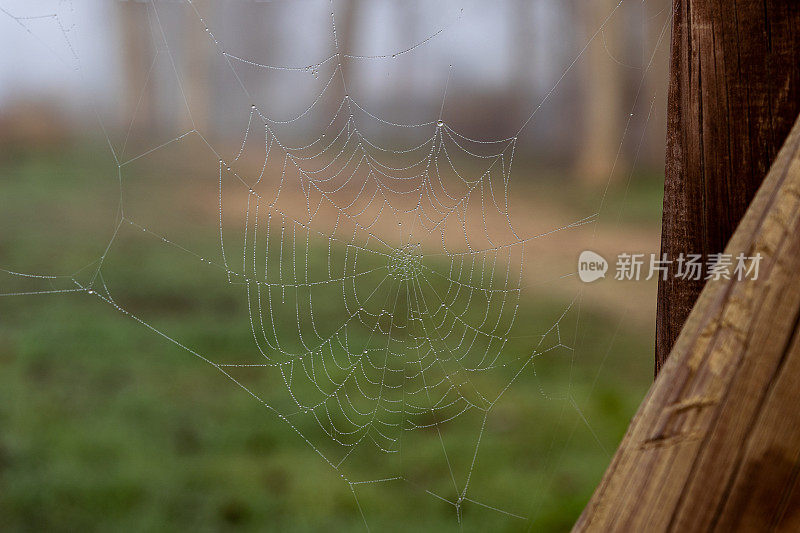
<point x="552" y="258"/>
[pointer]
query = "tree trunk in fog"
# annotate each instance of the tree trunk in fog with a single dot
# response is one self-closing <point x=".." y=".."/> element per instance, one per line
<point x="138" y="56"/>
<point x="196" y="78"/>
<point x="347" y="29"/>
<point x="602" y="98"/>
<point x="346" y="34"/>
<point x="407" y="13"/>
<point x="521" y="22"/>
<point x="733" y="96"/>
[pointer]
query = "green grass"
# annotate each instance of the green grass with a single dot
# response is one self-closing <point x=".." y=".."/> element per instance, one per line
<point x="105" y="425"/>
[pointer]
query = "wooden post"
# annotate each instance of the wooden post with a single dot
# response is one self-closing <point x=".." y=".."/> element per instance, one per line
<point x="734" y="93"/>
<point x="716" y="444"/>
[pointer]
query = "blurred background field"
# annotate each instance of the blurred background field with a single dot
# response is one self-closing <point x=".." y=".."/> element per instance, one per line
<point x="107" y="425"/>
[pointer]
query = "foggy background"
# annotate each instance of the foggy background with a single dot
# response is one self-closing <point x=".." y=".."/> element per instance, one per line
<point x="105" y="105"/>
<point x="110" y="58"/>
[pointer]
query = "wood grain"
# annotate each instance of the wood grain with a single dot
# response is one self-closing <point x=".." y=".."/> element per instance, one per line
<point x="733" y="96"/>
<point x="716" y="444"/>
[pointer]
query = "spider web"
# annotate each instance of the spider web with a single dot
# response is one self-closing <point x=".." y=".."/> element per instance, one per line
<point x="383" y="285"/>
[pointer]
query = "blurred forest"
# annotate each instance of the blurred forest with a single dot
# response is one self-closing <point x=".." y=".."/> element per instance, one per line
<point x="106" y="424"/>
<point x="506" y="64"/>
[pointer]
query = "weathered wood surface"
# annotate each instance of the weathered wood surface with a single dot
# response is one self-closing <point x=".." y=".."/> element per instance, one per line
<point x="716" y="444"/>
<point x="733" y="96"/>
